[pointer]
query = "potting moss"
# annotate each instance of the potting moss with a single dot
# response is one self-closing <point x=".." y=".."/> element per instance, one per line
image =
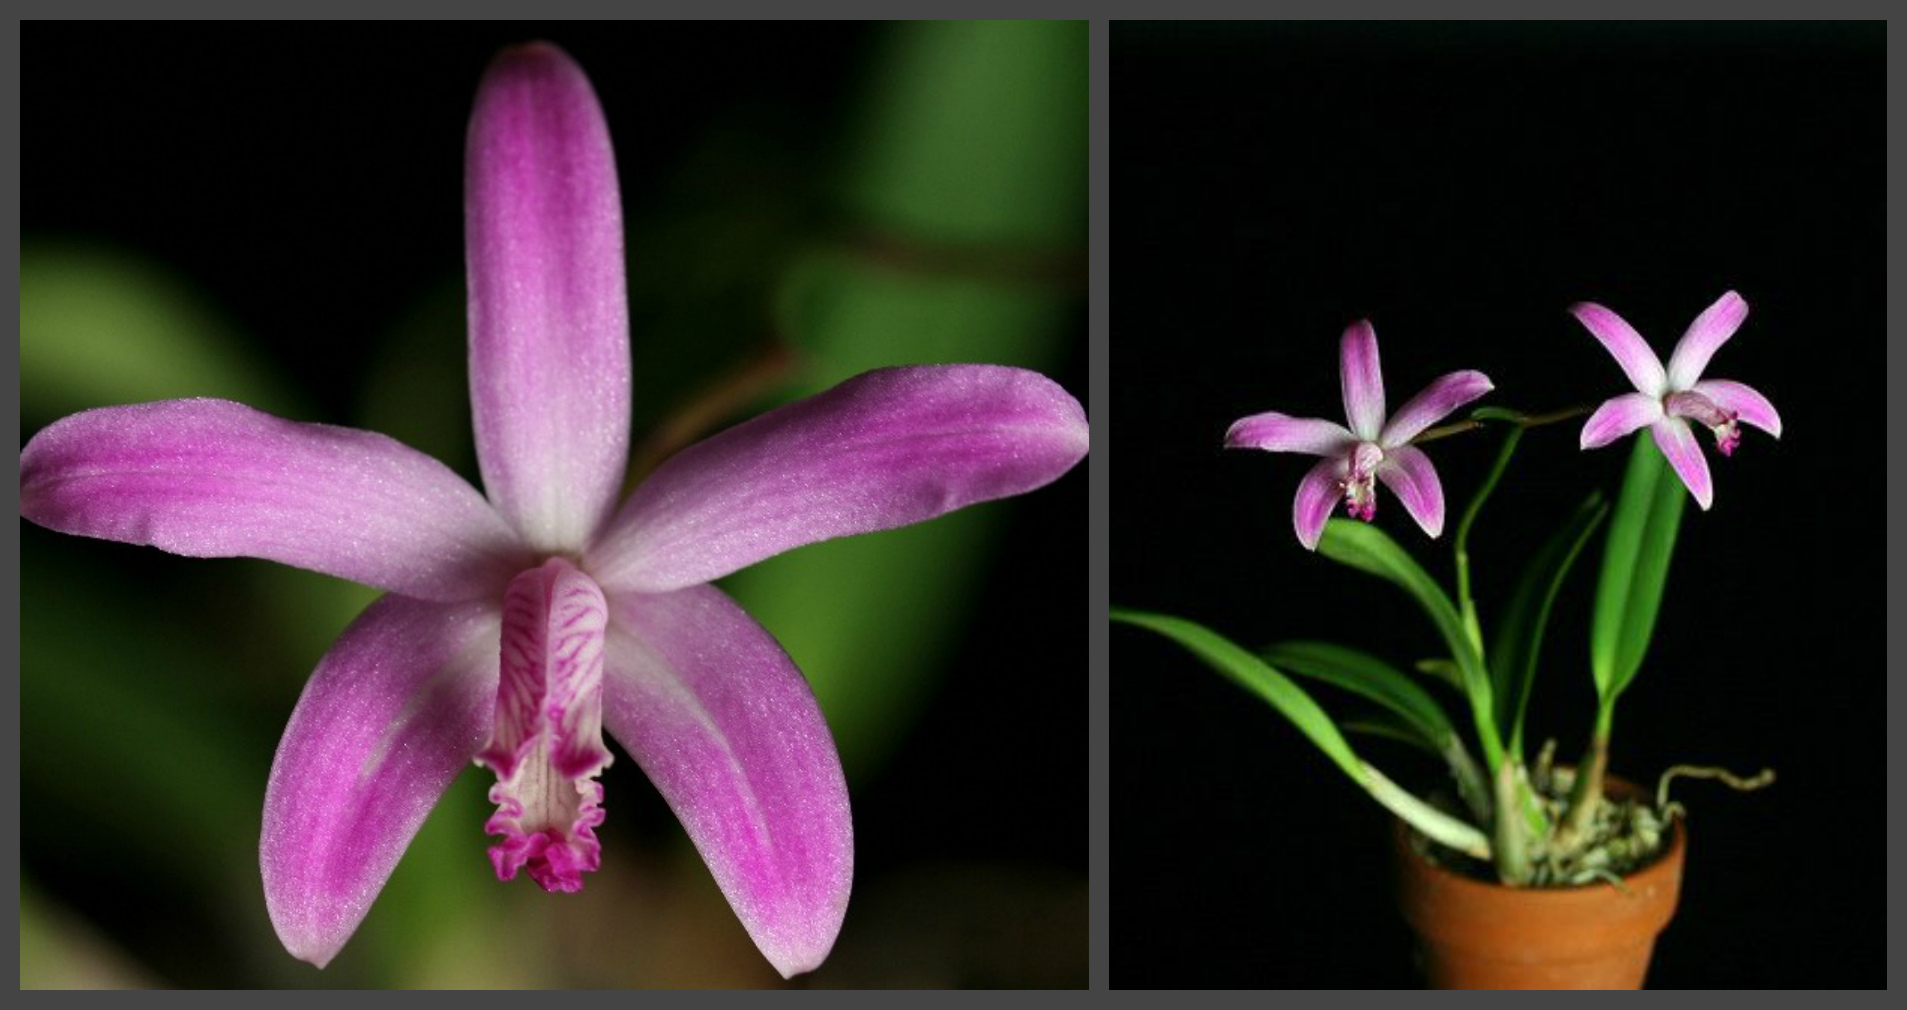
<point x="1624" y="835"/>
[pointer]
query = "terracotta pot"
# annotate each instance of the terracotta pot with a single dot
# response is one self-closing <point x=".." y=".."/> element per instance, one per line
<point x="1480" y="935"/>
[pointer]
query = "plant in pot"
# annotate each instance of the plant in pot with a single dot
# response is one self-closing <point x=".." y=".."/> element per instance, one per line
<point x="1534" y="874"/>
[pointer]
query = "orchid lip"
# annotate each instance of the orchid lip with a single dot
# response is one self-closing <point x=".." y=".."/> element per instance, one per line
<point x="1704" y="411"/>
<point x="547" y="744"/>
<point x="1359" y="484"/>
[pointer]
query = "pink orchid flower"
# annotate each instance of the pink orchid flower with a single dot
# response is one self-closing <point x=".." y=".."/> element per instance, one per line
<point x="1373" y="447"/>
<point x="518" y="629"/>
<point x="1664" y="398"/>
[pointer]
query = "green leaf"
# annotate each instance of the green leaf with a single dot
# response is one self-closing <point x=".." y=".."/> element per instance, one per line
<point x="1519" y="640"/>
<point x="1369" y="549"/>
<point x="1372" y="678"/>
<point x="1253" y="674"/>
<point x="1407" y="706"/>
<point x="1386" y="725"/>
<point x="1442" y="668"/>
<point x="1635" y="567"/>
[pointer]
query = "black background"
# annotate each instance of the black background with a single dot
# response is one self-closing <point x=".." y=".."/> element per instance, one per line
<point x="1460" y="186"/>
<point x="308" y="179"/>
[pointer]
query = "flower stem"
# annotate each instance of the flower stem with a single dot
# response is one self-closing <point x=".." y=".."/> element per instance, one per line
<point x="1520" y="420"/>
<point x="1467" y="606"/>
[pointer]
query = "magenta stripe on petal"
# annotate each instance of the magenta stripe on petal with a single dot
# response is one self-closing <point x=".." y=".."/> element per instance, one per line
<point x="211" y="478"/>
<point x="549" y="322"/>
<point x="1434" y="404"/>
<point x="884" y="449"/>
<point x="1362" y="379"/>
<point x="392" y="715"/>
<point x="1411" y="477"/>
<point x="724" y="725"/>
<point x="1684" y="452"/>
<point x="1751" y="406"/>
<point x="1704" y="337"/>
<point x="1638" y="362"/>
<point x="1275" y="432"/>
<point x="1618" y="416"/>
<point x="1318" y="493"/>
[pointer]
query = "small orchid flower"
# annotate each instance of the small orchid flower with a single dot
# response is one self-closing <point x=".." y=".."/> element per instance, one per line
<point x="517" y="629"/>
<point x="1373" y="447"/>
<point x="1664" y="398"/>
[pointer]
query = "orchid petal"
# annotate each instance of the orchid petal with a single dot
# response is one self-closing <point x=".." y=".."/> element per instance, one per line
<point x="1411" y="477"/>
<point x="1362" y="379"/>
<point x="1684" y="452"/>
<point x="1704" y="337"/>
<point x="1621" y="340"/>
<point x="724" y="725"/>
<point x="1749" y="405"/>
<point x="1432" y="405"/>
<point x="549" y="321"/>
<point x="1318" y="493"/>
<point x="1618" y="416"/>
<point x="884" y="449"/>
<point x="393" y="713"/>
<point x="1275" y="432"/>
<point x="212" y="478"/>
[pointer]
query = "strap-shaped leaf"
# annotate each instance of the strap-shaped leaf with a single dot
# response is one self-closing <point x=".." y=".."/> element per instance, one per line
<point x="1387" y="725"/>
<point x="1369" y="549"/>
<point x="1519" y="639"/>
<point x="1252" y="673"/>
<point x="1367" y="676"/>
<point x="1442" y="668"/>
<point x="1293" y="703"/>
<point x="1635" y="567"/>
<point x="1406" y="711"/>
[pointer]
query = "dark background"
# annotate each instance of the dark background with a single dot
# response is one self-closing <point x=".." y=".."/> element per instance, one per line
<point x="1460" y="186"/>
<point x="307" y="181"/>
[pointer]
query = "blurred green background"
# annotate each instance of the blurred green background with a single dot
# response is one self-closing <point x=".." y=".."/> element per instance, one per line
<point x="279" y="222"/>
